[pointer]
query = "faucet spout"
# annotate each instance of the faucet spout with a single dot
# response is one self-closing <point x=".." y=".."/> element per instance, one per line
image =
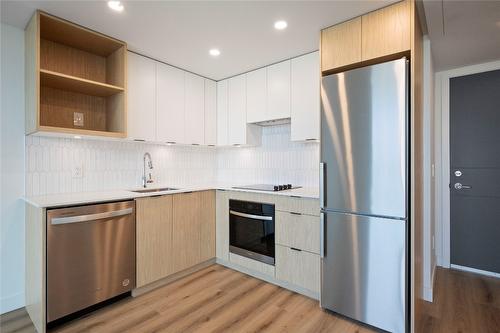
<point x="147" y="180"/>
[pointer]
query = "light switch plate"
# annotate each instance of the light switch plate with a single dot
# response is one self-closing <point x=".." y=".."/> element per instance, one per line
<point x="78" y="119"/>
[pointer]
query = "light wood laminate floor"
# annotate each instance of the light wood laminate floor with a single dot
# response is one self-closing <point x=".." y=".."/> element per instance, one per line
<point x="463" y="302"/>
<point x="217" y="299"/>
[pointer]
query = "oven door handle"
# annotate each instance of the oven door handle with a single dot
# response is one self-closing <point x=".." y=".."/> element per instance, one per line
<point x="251" y="216"/>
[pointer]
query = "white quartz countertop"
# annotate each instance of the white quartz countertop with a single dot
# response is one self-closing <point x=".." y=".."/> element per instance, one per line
<point x="79" y="198"/>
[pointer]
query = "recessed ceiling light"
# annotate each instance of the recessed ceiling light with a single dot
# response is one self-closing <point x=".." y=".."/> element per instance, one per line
<point x="280" y="25"/>
<point x="214" y="52"/>
<point x="115" y="5"/>
<point x="77" y="137"/>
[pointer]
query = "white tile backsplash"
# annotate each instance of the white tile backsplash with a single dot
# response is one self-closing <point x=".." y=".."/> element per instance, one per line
<point x="118" y="164"/>
<point x="277" y="160"/>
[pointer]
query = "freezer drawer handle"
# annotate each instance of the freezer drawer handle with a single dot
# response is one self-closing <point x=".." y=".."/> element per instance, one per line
<point x="91" y="217"/>
<point x="250" y="216"/>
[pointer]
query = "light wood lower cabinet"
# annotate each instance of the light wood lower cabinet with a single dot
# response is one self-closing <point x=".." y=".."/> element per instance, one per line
<point x="174" y="232"/>
<point x="193" y="229"/>
<point x="154" y="239"/>
<point x="222" y="225"/>
<point x="298" y="231"/>
<point x="299" y="268"/>
<point x="207" y="225"/>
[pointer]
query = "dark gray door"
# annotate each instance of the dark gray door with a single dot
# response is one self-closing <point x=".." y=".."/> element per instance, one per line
<point x="475" y="171"/>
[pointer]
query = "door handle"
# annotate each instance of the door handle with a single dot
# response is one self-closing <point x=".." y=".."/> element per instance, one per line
<point x="91" y="217"/>
<point x="460" y="186"/>
<point x="251" y="216"/>
<point x="322" y="235"/>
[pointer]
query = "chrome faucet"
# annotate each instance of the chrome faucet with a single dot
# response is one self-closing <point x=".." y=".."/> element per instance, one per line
<point x="147" y="180"/>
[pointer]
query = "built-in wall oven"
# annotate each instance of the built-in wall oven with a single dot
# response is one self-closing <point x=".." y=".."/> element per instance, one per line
<point x="251" y="230"/>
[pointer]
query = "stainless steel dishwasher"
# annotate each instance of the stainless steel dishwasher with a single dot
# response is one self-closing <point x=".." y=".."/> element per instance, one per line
<point x="90" y="256"/>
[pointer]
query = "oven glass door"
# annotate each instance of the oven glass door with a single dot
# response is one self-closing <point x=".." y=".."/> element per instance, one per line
<point x="252" y="236"/>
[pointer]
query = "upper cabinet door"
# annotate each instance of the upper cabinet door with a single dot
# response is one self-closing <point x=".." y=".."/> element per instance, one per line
<point x="222" y="113"/>
<point x="341" y="45"/>
<point x="237" y="117"/>
<point x="305" y="95"/>
<point x="141" y="98"/>
<point x="256" y="95"/>
<point x="170" y="103"/>
<point x="210" y="112"/>
<point x="195" y="109"/>
<point x="386" y="31"/>
<point x="278" y="91"/>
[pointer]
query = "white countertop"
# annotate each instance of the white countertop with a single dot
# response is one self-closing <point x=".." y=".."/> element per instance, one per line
<point x="79" y="198"/>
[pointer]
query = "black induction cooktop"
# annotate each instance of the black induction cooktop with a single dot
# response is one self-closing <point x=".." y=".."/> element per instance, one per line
<point x="268" y="187"/>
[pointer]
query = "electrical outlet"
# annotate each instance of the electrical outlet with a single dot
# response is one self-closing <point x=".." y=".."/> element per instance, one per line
<point x="78" y="119"/>
<point x="78" y="171"/>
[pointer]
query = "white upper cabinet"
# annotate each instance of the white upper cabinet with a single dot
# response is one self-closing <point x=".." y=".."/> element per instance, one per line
<point x="222" y="113"/>
<point x="239" y="132"/>
<point x="237" y="115"/>
<point x="305" y="98"/>
<point x="257" y="95"/>
<point x="169" y="103"/>
<point x="141" y="98"/>
<point x="194" y="109"/>
<point x="210" y="112"/>
<point x="278" y="91"/>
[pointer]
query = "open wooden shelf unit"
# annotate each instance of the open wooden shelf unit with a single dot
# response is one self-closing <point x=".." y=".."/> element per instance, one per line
<point x="76" y="80"/>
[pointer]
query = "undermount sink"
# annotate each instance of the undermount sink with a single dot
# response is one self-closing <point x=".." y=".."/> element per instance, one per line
<point x="150" y="190"/>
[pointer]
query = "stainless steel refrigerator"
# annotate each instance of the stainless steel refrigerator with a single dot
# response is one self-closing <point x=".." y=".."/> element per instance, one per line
<point x="364" y="194"/>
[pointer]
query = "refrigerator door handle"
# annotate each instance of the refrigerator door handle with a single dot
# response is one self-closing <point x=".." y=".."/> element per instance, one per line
<point x="322" y="235"/>
<point x="322" y="169"/>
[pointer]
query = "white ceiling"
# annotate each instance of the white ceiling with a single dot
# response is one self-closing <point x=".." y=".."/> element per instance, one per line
<point x="181" y="32"/>
<point x="463" y="32"/>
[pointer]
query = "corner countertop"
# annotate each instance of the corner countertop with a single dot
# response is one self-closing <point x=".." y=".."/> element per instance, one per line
<point x="80" y="198"/>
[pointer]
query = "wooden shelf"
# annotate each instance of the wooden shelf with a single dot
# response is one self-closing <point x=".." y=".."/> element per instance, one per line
<point x="76" y="84"/>
<point x="74" y="35"/>
<point x="71" y="72"/>
<point x="78" y="132"/>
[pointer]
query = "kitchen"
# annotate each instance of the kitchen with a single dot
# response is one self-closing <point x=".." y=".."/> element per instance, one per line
<point x="154" y="187"/>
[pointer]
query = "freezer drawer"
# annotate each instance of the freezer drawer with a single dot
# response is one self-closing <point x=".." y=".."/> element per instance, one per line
<point x="90" y="256"/>
<point x="364" y="269"/>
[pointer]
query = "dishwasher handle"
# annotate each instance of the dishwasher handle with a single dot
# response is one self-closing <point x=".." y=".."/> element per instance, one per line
<point x="91" y="217"/>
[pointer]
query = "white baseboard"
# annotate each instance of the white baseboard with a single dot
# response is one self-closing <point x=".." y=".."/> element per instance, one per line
<point x="11" y="302"/>
<point x="474" y="270"/>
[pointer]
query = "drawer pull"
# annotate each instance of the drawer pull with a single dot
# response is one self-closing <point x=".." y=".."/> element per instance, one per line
<point x="295" y="249"/>
<point x="294" y="213"/>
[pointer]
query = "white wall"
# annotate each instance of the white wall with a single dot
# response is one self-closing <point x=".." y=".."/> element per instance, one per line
<point x="429" y="261"/>
<point x="12" y="169"/>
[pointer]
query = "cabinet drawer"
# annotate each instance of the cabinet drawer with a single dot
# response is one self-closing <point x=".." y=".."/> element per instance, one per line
<point x="252" y="265"/>
<point x="299" y="268"/>
<point x="298" y="231"/>
<point x="297" y="205"/>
